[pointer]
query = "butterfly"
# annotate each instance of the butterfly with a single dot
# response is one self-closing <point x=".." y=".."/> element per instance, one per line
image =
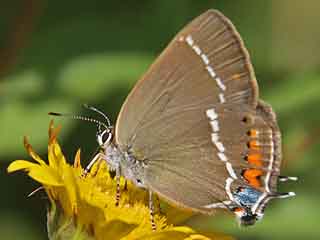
<point x="193" y="129"/>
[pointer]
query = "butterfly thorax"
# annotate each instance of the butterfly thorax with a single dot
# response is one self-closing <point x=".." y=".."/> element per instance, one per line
<point x="112" y="156"/>
<point x="125" y="163"/>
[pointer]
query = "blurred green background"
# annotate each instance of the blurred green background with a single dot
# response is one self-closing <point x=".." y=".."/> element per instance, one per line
<point x="57" y="55"/>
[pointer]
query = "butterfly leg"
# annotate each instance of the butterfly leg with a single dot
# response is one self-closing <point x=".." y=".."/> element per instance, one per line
<point x="118" y="186"/>
<point x="96" y="158"/>
<point x="151" y="208"/>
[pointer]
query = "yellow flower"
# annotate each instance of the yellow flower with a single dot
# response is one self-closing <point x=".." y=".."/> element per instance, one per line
<point x="84" y="208"/>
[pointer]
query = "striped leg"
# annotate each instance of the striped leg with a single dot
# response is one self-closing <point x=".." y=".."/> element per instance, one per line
<point x="118" y="186"/>
<point x="96" y="158"/>
<point x="151" y="208"/>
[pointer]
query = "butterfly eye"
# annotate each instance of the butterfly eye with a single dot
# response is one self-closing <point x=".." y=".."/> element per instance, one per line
<point x="104" y="137"/>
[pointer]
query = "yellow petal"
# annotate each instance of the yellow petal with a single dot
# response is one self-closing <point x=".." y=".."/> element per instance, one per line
<point x="45" y="175"/>
<point x="115" y="230"/>
<point x="55" y="156"/>
<point x="76" y="162"/>
<point x="70" y="183"/>
<point x="197" y="237"/>
<point x="183" y="229"/>
<point x="175" y="233"/>
<point x="42" y="174"/>
<point x="20" y="165"/>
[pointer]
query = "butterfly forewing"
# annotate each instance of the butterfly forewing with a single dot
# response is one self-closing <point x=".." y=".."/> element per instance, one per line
<point x="164" y="120"/>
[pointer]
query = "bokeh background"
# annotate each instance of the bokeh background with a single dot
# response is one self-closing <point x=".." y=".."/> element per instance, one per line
<point x="57" y="55"/>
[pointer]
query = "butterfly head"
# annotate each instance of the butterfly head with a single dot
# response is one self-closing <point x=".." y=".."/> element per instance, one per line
<point x="104" y="132"/>
<point x="104" y="136"/>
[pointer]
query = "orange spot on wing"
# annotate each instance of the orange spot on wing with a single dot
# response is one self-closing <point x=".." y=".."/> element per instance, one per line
<point x="238" y="209"/>
<point x="255" y="159"/>
<point x="252" y="176"/>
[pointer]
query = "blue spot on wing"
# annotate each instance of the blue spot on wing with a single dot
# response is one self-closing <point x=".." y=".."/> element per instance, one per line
<point x="247" y="197"/>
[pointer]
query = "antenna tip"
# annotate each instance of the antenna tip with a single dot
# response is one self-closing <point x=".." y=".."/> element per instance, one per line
<point x="54" y="114"/>
<point x="291" y="194"/>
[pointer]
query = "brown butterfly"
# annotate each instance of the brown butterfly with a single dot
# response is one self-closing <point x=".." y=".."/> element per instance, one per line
<point x="194" y="131"/>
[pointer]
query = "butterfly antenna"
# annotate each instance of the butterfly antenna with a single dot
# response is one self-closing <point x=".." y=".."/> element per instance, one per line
<point x="83" y="118"/>
<point x="98" y="111"/>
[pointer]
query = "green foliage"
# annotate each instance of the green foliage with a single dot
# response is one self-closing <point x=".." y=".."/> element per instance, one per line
<point x="27" y="99"/>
